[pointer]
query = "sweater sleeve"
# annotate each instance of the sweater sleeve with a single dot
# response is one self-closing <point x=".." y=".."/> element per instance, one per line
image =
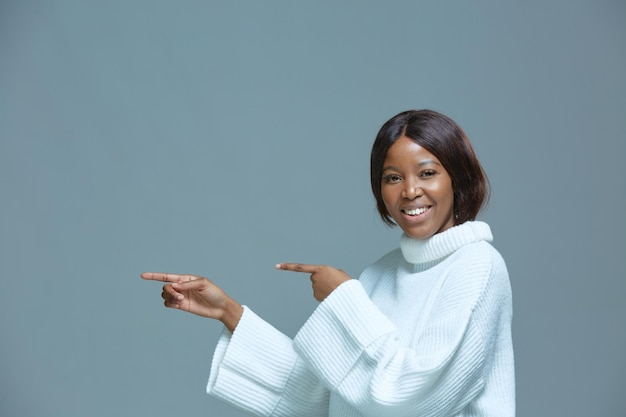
<point x="355" y="349"/>
<point x="257" y="370"/>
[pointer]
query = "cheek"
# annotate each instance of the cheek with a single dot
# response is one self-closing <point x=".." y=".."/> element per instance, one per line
<point x="442" y="192"/>
<point x="447" y="195"/>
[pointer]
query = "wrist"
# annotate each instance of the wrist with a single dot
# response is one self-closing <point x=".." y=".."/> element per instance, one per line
<point x="231" y="314"/>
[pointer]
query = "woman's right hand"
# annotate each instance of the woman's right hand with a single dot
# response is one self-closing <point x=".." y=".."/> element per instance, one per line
<point x="199" y="296"/>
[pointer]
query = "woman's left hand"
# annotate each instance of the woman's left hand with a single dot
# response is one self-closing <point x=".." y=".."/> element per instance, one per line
<point x="324" y="278"/>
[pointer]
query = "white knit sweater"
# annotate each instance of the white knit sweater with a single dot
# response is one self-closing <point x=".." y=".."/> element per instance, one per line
<point x="425" y="331"/>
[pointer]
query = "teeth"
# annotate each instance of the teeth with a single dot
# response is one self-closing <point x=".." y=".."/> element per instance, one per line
<point x="415" y="212"/>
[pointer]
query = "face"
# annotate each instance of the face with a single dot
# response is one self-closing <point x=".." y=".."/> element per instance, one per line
<point x="417" y="190"/>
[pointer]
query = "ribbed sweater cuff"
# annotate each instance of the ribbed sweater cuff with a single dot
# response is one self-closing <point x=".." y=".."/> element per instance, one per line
<point x="340" y="331"/>
<point x="251" y="366"/>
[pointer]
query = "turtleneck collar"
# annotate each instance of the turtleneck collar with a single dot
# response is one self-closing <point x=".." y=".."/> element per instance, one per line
<point x="418" y="251"/>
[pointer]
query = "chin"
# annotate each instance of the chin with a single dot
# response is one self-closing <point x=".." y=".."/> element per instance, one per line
<point x="423" y="233"/>
<point x="419" y="235"/>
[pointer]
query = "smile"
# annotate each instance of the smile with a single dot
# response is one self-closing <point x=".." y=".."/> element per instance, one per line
<point x="416" y="211"/>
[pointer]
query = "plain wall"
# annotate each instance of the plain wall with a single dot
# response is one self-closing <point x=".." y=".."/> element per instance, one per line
<point x="219" y="138"/>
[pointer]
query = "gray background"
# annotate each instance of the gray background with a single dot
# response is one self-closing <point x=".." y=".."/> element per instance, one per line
<point x="219" y="138"/>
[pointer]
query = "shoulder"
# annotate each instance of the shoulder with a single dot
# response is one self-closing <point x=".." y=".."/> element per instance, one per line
<point x="481" y="255"/>
<point x="484" y="262"/>
<point x="473" y="273"/>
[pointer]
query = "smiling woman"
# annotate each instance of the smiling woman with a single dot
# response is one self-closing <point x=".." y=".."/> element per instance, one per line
<point x="417" y="190"/>
<point x="447" y="144"/>
<point x="425" y="330"/>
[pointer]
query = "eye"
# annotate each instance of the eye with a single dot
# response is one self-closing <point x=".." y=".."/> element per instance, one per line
<point x="391" y="178"/>
<point x="428" y="173"/>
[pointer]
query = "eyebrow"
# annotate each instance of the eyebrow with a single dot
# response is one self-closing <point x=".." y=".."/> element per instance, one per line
<point x="419" y="164"/>
<point x="428" y="161"/>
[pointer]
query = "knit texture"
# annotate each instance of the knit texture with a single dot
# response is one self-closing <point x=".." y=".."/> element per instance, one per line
<point x="425" y="331"/>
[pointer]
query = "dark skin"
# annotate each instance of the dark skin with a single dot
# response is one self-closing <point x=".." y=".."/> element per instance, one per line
<point x="417" y="192"/>
<point x="202" y="297"/>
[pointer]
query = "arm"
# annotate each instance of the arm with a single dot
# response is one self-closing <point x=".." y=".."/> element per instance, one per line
<point x="364" y="357"/>
<point x="255" y="367"/>
<point x="358" y="353"/>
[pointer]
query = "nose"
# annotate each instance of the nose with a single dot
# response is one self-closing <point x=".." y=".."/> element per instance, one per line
<point x="411" y="190"/>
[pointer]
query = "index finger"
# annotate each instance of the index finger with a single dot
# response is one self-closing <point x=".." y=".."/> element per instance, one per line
<point x="307" y="268"/>
<point x="166" y="277"/>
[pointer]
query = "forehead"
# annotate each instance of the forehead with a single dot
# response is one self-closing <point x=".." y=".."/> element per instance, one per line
<point x="407" y="151"/>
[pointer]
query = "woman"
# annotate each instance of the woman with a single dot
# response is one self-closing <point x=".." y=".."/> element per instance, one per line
<point x="424" y="331"/>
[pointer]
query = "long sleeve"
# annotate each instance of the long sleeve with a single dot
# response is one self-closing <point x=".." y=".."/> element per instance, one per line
<point x="365" y="358"/>
<point x="256" y="370"/>
<point x="369" y="368"/>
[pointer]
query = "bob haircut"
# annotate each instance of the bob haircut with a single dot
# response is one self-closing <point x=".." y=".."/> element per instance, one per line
<point x="442" y="137"/>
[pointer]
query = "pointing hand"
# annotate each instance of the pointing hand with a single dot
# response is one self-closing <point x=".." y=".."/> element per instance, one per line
<point x="197" y="295"/>
<point x="325" y="279"/>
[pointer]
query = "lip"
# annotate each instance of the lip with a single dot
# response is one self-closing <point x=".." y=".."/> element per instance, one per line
<point x="415" y="218"/>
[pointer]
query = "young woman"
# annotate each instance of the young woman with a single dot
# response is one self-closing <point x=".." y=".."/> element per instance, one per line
<point x="424" y="331"/>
